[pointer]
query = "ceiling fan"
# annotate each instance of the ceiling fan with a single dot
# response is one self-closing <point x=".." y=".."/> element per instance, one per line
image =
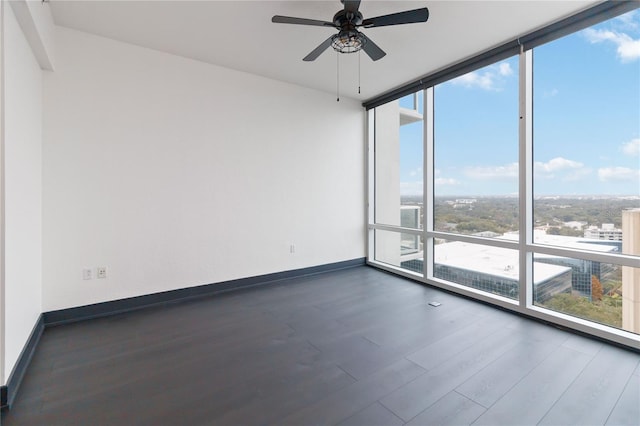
<point x="347" y="21"/>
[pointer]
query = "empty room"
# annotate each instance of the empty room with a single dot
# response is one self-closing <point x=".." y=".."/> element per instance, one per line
<point x="319" y="212"/>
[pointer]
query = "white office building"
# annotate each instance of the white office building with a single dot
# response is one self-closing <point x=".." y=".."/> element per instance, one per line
<point x="608" y="231"/>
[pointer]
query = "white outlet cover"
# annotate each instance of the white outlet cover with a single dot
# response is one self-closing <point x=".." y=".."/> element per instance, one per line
<point x="101" y="272"/>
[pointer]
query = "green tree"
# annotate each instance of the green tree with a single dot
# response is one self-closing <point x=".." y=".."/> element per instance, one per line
<point x="604" y="313"/>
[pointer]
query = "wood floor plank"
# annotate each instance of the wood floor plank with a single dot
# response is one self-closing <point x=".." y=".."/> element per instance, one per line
<point x="299" y="391"/>
<point x="451" y="409"/>
<point x="494" y="381"/>
<point x="350" y="400"/>
<point x="583" y="344"/>
<point x="447" y="344"/>
<point x="418" y="395"/>
<point x="592" y="396"/>
<point x="529" y="401"/>
<point x="403" y="344"/>
<point x="439" y="325"/>
<point x="373" y="415"/>
<point x="627" y="409"/>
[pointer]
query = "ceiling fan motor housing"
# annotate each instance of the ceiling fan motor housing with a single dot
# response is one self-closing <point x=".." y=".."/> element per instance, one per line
<point x="347" y="20"/>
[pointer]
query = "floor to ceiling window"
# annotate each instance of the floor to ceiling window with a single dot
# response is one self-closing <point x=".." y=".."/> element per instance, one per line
<point x="475" y="177"/>
<point x="518" y="182"/>
<point x="476" y="152"/>
<point x="586" y="152"/>
<point x="399" y="190"/>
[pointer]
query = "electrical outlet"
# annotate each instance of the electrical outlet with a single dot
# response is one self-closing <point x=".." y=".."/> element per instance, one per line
<point x="87" y="274"/>
<point x="292" y="248"/>
<point x="101" y="272"/>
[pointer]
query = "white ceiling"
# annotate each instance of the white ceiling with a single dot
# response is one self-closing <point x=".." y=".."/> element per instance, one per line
<point x="240" y="35"/>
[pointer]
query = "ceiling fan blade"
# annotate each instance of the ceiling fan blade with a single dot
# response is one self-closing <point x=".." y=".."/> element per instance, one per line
<point x="301" y="21"/>
<point x="372" y="49"/>
<point x="318" y="50"/>
<point x="407" y="17"/>
<point x="351" y="5"/>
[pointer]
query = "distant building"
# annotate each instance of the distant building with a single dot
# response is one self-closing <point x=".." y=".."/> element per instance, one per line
<point x="487" y="234"/>
<point x="492" y="269"/>
<point x="608" y="232"/>
<point x="575" y="225"/>
<point x="582" y="270"/>
<point x="631" y="276"/>
<point x="495" y="270"/>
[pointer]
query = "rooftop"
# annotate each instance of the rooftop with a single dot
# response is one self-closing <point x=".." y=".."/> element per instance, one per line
<point x="494" y="261"/>
<point x="578" y="243"/>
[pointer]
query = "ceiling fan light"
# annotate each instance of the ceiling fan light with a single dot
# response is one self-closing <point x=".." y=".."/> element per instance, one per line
<point x="347" y="42"/>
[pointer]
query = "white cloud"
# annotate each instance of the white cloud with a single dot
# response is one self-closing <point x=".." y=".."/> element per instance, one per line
<point x="446" y="181"/>
<point x="474" y="79"/>
<point x="559" y="167"/>
<point x="550" y="93"/>
<point x="608" y="174"/>
<point x="505" y="69"/>
<point x="507" y="171"/>
<point x="632" y="147"/>
<point x="557" y="164"/>
<point x="627" y="48"/>
<point x="490" y="78"/>
<point x="628" y="21"/>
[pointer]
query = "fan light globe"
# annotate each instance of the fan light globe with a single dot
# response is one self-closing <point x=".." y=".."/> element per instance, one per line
<point x="347" y="42"/>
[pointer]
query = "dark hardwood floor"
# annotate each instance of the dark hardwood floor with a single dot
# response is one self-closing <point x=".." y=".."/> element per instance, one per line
<point x="352" y="347"/>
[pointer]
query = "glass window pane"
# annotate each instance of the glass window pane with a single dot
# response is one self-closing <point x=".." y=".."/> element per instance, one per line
<point x="476" y="152"/>
<point x="586" y="121"/>
<point x="399" y="162"/>
<point x="491" y="269"/>
<point x="597" y="291"/>
<point x="399" y="249"/>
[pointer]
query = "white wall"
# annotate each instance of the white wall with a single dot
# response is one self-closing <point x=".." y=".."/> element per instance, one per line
<point x="23" y="190"/>
<point x="174" y="173"/>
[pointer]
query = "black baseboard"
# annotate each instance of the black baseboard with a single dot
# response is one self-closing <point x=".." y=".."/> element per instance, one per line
<point x="82" y="313"/>
<point x="9" y="391"/>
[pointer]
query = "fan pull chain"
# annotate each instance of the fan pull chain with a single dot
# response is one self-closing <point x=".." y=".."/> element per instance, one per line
<point x="338" y="76"/>
<point x="359" y="54"/>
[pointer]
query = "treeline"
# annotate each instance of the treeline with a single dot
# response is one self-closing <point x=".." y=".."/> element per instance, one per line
<point x="593" y="211"/>
<point x="497" y="215"/>
<point x="500" y="214"/>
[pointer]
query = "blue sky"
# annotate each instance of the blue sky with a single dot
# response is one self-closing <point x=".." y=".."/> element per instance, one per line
<point x="586" y="121"/>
